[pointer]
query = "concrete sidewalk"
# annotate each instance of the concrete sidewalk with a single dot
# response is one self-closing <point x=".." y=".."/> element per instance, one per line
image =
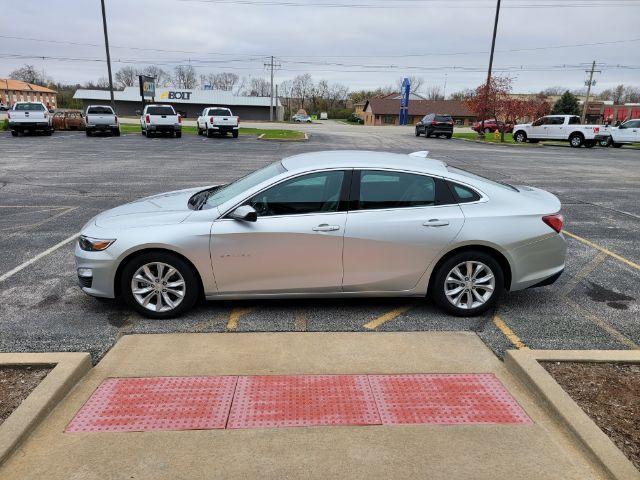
<point x="540" y="451"/>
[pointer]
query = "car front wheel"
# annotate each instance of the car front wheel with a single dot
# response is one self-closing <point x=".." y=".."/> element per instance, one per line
<point x="468" y="284"/>
<point x="159" y="285"/>
<point x="520" y="137"/>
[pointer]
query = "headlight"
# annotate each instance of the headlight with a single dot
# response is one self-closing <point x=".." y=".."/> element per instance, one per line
<point x="89" y="244"/>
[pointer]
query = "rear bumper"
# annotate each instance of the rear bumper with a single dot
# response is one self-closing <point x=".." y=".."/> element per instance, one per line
<point x="536" y="263"/>
<point x="223" y="128"/>
<point x="164" y="128"/>
<point x="29" y="125"/>
<point x="101" y="127"/>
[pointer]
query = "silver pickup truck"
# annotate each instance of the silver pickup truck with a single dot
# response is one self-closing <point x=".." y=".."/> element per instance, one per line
<point x="101" y="118"/>
<point x="30" y="117"/>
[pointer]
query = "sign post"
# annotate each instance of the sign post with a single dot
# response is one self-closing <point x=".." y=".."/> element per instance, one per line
<point x="404" y="101"/>
<point x="147" y="88"/>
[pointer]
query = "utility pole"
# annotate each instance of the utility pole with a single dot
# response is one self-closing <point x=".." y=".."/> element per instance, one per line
<point x="270" y="64"/>
<point x="106" y="45"/>
<point x="589" y="84"/>
<point x="444" y="93"/>
<point x="493" y="46"/>
<point x="276" y="102"/>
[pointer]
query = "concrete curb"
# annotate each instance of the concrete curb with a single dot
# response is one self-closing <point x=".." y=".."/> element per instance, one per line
<point x="69" y="368"/>
<point x="525" y="365"/>
<point x="304" y="139"/>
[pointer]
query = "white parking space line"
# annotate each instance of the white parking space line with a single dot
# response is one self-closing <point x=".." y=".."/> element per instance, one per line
<point x="24" y="265"/>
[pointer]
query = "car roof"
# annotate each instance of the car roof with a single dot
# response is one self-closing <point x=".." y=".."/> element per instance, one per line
<point x="363" y="159"/>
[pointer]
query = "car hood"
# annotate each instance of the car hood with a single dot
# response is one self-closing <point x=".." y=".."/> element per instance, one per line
<point x="163" y="209"/>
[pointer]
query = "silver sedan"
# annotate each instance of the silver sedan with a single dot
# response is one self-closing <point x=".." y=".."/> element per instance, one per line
<point x="328" y="224"/>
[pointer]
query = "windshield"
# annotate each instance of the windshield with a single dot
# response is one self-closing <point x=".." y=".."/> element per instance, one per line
<point x="245" y="183"/>
<point x="219" y="112"/>
<point x="100" y="110"/>
<point x="464" y="173"/>
<point x="160" y="111"/>
<point x="443" y="118"/>
<point x="30" y="106"/>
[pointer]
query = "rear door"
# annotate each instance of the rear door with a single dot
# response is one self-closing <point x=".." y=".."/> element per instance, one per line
<point x="398" y="223"/>
<point x="556" y="128"/>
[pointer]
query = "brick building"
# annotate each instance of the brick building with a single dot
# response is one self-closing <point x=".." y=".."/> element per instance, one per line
<point x="12" y="91"/>
<point x="386" y="110"/>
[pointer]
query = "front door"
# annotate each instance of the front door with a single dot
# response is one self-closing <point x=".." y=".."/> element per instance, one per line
<point x="294" y="246"/>
<point x="395" y="228"/>
<point x="538" y="128"/>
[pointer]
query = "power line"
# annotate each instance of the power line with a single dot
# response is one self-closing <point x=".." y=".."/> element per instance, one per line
<point x="399" y="4"/>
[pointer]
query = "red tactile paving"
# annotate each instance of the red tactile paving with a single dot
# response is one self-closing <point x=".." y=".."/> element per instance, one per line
<point x="302" y="401"/>
<point x="157" y="403"/>
<point x="445" y="399"/>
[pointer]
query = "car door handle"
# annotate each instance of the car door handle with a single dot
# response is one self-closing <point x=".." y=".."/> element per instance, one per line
<point x="434" y="222"/>
<point x="324" y="227"/>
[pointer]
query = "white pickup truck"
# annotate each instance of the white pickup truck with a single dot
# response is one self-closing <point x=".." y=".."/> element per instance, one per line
<point x="101" y="118"/>
<point x="626" y="133"/>
<point x="160" y="119"/>
<point x="30" y="117"/>
<point x="559" y="127"/>
<point x="217" y="120"/>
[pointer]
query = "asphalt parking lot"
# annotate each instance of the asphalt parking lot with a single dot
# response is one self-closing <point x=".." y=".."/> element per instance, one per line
<point x="50" y="186"/>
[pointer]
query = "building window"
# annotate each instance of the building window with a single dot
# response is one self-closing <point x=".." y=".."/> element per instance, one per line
<point x="389" y="119"/>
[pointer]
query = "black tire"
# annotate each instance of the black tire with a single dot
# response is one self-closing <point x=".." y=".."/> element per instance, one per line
<point x="438" y="285"/>
<point x="192" y="284"/>
<point x="116" y="132"/>
<point x="616" y="145"/>
<point x="417" y="132"/>
<point x="49" y="132"/>
<point x="178" y="134"/>
<point x="87" y="133"/>
<point x="449" y="135"/>
<point x="520" y="136"/>
<point x="235" y="134"/>
<point x="209" y="133"/>
<point x="576" y="140"/>
<point x="143" y="132"/>
<point x="14" y="133"/>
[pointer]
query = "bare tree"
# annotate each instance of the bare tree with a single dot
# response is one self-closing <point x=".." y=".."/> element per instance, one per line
<point x="302" y="86"/>
<point x="337" y="93"/>
<point x="632" y="94"/>
<point x="163" y="79"/>
<point x="434" y="92"/>
<point x="29" y="74"/>
<point x="259" y="87"/>
<point x="184" y="76"/>
<point x="127" y="76"/>
<point x="618" y="94"/>
<point x="223" y="81"/>
<point x="462" y="94"/>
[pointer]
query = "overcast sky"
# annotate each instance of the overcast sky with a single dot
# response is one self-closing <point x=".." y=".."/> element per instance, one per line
<point x="361" y="46"/>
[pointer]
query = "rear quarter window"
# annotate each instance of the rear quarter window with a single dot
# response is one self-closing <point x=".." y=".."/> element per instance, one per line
<point x="463" y="194"/>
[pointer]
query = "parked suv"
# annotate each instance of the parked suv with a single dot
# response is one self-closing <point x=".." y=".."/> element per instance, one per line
<point x="436" y="124"/>
<point x="101" y="118"/>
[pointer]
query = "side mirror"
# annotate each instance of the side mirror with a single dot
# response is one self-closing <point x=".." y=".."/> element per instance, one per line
<point x="245" y="213"/>
<point x="51" y="110"/>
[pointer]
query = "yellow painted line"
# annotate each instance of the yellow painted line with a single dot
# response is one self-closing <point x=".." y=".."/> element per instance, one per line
<point x="510" y="334"/>
<point x="602" y="324"/>
<point x="586" y="270"/>
<point x="387" y="317"/>
<point x="235" y="315"/>
<point x="603" y="250"/>
<point x="301" y="321"/>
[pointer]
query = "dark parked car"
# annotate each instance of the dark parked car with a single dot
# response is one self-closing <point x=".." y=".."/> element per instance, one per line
<point x="492" y="125"/>
<point x="435" y="124"/>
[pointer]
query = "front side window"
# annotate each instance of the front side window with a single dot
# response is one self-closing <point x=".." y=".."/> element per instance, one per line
<point x="381" y="189"/>
<point x="313" y="193"/>
<point x="540" y="121"/>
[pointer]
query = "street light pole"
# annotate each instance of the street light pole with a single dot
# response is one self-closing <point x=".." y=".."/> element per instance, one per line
<point x="493" y="46"/>
<point x="106" y="44"/>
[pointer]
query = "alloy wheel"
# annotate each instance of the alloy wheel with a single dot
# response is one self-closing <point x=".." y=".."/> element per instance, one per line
<point x="158" y="287"/>
<point x="469" y="285"/>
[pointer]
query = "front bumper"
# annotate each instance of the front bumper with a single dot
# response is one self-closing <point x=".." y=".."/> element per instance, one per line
<point x="102" y="266"/>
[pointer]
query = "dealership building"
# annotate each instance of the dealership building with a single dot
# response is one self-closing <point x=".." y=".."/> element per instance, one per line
<point x="189" y="103"/>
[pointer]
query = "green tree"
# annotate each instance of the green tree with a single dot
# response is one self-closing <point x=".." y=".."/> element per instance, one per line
<point x="567" y="104"/>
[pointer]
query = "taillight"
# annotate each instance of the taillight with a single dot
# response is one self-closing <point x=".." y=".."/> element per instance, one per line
<point x="147" y="119"/>
<point x="238" y="119"/>
<point x="434" y="123"/>
<point x="555" y="221"/>
<point x="179" y="118"/>
<point x="596" y="129"/>
<point x="211" y="120"/>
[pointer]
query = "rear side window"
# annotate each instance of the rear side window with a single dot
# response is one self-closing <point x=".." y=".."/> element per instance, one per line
<point x="381" y="189"/>
<point x="33" y="107"/>
<point x="574" y="120"/>
<point x="160" y="111"/>
<point x="463" y="194"/>
<point x="100" y="110"/>
<point x="219" y="112"/>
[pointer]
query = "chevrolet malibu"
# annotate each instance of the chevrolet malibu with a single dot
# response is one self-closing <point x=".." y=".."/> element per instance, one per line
<point x="328" y="224"/>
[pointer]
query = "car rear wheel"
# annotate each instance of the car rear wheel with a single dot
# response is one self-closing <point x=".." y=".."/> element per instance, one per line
<point x="468" y="284"/>
<point x="159" y="285"/>
<point x="235" y="134"/>
<point x="520" y="136"/>
<point x="116" y="132"/>
<point x="576" y="140"/>
<point x="14" y="133"/>
<point x="178" y="134"/>
<point x="417" y="132"/>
